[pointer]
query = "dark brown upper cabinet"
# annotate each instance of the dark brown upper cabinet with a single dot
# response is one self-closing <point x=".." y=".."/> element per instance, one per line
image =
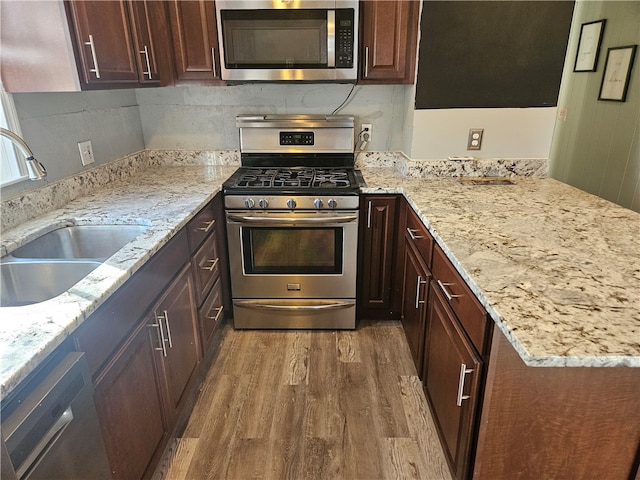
<point x="195" y="42"/>
<point x="389" y="36"/>
<point x="115" y="42"/>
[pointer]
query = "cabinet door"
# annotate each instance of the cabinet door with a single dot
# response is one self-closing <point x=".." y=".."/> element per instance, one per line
<point x="414" y="302"/>
<point x="452" y="372"/>
<point x="130" y="409"/>
<point x="104" y="42"/>
<point x="377" y="245"/>
<point x="389" y="41"/>
<point x="195" y="41"/>
<point x="146" y="46"/>
<point x="174" y="318"/>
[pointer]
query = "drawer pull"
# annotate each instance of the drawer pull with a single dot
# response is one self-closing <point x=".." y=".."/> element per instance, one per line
<point x="206" y="226"/>
<point x="213" y="262"/>
<point x="218" y="313"/>
<point x="369" y="215"/>
<point x="213" y="62"/>
<point x="418" y="283"/>
<point x="463" y="372"/>
<point x="412" y="233"/>
<point x="446" y="292"/>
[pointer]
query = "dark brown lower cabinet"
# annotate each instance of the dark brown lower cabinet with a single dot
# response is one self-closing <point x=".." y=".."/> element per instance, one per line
<point x="414" y="303"/>
<point x="175" y="323"/>
<point x="129" y="401"/>
<point x="452" y="372"/>
<point x="377" y="248"/>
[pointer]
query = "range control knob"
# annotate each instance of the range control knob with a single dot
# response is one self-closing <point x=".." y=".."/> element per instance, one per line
<point x="317" y="203"/>
<point x="291" y="203"/>
<point x="332" y="203"/>
<point x="249" y="202"/>
<point x="263" y="203"/>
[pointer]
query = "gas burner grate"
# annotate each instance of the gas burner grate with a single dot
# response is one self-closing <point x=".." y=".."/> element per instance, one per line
<point x="319" y="178"/>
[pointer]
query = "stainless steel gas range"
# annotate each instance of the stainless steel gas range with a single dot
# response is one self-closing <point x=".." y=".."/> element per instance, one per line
<point x="292" y="222"/>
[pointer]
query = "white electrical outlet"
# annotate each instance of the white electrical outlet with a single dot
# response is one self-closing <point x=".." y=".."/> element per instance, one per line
<point x="86" y="152"/>
<point x="475" y="139"/>
<point x="365" y="132"/>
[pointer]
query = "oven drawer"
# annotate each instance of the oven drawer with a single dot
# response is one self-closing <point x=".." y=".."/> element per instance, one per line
<point x="298" y="313"/>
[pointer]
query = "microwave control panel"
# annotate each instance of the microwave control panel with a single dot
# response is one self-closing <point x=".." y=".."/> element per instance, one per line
<point x="344" y="37"/>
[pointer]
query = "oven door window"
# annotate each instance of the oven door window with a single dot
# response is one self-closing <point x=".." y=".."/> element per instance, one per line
<point x="275" y="38"/>
<point x="292" y="250"/>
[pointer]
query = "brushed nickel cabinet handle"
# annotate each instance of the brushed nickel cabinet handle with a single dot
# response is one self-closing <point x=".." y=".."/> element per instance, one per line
<point x="145" y="52"/>
<point x="213" y="262"/>
<point x="366" y="62"/>
<point x="91" y="43"/>
<point x="450" y="296"/>
<point x="412" y="234"/>
<point x="161" y="338"/>
<point x="206" y="226"/>
<point x="218" y="313"/>
<point x="463" y="372"/>
<point x="166" y="321"/>
<point x="213" y="62"/>
<point x="369" y="215"/>
<point x="418" y="284"/>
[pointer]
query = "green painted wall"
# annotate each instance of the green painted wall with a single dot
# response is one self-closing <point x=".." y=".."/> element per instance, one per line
<point x="597" y="147"/>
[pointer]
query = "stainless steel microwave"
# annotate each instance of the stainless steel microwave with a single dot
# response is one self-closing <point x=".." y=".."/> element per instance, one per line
<point x="288" y="40"/>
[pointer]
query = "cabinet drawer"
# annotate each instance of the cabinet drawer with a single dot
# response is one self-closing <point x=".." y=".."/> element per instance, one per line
<point x="419" y="235"/>
<point x="463" y="302"/>
<point x="210" y="315"/>
<point x="200" y="226"/>
<point x="206" y="267"/>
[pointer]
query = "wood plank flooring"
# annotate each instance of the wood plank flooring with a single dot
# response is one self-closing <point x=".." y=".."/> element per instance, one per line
<point x="310" y="405"/>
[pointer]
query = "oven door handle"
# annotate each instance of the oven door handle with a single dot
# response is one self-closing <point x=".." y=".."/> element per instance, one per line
<point x="285" y="221"/>
<point x="257" y="305"/>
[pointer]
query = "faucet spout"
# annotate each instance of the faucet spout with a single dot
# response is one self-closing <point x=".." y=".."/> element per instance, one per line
<point x="35" y="169"/>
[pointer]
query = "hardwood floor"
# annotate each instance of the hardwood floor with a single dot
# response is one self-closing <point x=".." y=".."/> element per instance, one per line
<point x="310" y="405"/>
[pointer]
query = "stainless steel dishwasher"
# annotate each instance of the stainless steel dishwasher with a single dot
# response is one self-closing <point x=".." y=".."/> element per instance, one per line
<point x="52" y="431"/>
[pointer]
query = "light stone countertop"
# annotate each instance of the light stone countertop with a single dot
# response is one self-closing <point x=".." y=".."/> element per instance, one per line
<point x="164" y="198"/>
<point x="557" y="269"/>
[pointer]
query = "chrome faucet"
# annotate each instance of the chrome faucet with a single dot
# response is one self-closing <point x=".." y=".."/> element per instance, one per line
<point x="35" y="169"/>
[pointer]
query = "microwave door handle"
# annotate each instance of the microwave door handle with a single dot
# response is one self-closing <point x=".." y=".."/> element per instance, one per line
<point x="331" y="38"/>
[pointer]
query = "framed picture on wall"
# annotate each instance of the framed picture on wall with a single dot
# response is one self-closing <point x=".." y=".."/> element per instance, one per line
<point x="589" y="46"/>
<point x="617" y="73"/>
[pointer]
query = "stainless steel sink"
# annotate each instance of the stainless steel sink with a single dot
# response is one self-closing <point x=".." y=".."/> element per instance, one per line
<point x="52" y="263"/>
<point x="29" y="282"/>
<point x="85" y="241"/>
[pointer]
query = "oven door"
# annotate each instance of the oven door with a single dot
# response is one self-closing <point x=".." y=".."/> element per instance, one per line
<point x="290" y="255"/>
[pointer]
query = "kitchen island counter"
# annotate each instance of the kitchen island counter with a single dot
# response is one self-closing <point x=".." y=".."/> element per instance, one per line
<point x="557" y="269"/>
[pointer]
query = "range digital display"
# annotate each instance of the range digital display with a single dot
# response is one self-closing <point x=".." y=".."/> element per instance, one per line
<point x="296" y="138"/>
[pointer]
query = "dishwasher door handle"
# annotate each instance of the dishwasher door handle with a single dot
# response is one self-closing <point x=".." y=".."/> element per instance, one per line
<point x="47" y="441"/>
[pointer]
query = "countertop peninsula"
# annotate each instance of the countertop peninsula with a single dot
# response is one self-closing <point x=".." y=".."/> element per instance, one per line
<point x="557" y="269"/>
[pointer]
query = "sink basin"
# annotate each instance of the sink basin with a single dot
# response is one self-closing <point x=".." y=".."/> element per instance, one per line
<point x="84" y="241"/>
<point x="29" y="282"/>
